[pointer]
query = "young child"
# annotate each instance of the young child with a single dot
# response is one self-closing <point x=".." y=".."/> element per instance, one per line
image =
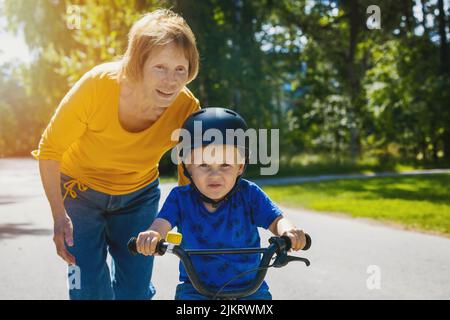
<point x="218" y="210"/>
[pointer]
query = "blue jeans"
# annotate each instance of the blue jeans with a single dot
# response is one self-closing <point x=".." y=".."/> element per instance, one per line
<point x="186" y="291"/>
<point x="104" y="223"/>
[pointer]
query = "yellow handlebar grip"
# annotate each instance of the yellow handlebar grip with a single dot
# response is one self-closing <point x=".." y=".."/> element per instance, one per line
<point x="174" y="237"/>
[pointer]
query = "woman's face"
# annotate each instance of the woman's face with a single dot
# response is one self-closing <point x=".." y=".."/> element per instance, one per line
<point x="165" y="74"/>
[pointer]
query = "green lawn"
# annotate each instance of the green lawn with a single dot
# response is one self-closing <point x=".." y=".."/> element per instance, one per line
<point x="421" y="202"/>
<point x="168" y="179"/>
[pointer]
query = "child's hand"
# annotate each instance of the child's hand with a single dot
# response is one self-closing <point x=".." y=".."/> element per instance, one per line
<point x="298" y="238"/>
<point x="147" y="241"/>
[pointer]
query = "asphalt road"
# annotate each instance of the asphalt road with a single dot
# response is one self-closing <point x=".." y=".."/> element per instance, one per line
<point x="350" y="258"/>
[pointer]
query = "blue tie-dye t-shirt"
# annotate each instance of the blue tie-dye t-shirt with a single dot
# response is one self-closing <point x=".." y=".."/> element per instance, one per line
<point x="234" y="225"/>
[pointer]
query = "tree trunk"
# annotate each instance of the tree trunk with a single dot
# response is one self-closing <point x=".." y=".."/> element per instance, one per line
<point x="353" y="80"/>
<point x="444" y="70"/>
<point x="424" y="17"/>
<point x="443" y="50"/>
<point x="407" y="11"/>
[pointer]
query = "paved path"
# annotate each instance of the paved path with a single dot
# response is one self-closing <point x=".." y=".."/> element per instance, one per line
<point x="411" y="265"/>
<point x="295" y="180"/>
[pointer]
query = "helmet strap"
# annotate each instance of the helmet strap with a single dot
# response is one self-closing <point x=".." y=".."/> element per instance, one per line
<point x="214" y="203"/>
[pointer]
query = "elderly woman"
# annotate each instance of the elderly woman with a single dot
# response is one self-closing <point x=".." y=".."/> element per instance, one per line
<point x="99" y="155"/>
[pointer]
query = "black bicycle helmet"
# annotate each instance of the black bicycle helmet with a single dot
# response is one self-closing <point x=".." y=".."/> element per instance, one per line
<point x="220" y="119"/>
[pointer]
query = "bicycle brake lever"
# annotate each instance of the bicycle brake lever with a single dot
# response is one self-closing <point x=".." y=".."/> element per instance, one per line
<point x="284" y="259"/>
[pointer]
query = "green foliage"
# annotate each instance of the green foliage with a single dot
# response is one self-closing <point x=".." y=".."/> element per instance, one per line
<point x="312" y="69"/>
<point x="420" y="202"/>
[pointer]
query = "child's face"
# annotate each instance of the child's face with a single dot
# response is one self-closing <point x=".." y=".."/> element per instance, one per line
<point x="215" y="169"/>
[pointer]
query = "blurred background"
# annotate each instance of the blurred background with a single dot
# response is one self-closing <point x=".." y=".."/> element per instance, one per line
<point x="356" y="87"/>
<point x="339" y="91"/>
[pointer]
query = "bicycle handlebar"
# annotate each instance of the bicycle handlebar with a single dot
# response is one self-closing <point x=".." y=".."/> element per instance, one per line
<point x="133" y="250"/>
<point x="278" y="245"/>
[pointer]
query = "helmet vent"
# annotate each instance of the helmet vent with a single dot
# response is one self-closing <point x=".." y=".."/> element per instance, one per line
<point x="199" y="112"/>
<point x="231" y="112"/>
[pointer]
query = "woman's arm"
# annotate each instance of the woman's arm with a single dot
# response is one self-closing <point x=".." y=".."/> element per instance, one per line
<point x="50" y="177"/>
<point x="68" y="123"/>
<point x="63" y="229"/>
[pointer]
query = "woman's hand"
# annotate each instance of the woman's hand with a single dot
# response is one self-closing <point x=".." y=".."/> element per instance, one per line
<point x="298" y="238"/>
<point x="63" y="232"/>
<point x="147" y="241"/>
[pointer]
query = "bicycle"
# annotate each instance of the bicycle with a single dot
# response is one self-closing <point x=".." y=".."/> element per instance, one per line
<point x="279" y="246"/>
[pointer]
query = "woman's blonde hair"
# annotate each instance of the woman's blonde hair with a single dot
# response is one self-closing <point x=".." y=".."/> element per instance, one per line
<point x="157" y="28"/>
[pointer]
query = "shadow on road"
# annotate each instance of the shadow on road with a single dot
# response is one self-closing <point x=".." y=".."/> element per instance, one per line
<point x="12" y="199"/>
<point x="12" y="230"/>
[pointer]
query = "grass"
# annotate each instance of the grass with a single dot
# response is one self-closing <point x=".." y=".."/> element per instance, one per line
<point x="168" y="179"/>
<point x="418" y="202"/>
<point x="313" y="166"/>
<point x="315" y="169"/>
<point x="322" y="164"/>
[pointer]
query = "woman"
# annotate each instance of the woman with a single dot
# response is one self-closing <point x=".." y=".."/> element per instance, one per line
<point x="98" y="156"/>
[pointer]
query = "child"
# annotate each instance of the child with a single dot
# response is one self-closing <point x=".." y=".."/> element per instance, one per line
<point x="218" y="210"/>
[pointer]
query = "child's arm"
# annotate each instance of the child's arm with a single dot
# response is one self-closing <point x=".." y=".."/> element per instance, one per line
<point x="147" y="240"/>
<point x="267" y="215"/>
<point x="283" y="227"/>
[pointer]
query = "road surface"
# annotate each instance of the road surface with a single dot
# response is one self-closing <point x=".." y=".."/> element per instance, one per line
<point x="350" y="258"/>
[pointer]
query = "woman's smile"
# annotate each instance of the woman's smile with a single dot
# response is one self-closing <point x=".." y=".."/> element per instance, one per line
<point x="164" y="94"/>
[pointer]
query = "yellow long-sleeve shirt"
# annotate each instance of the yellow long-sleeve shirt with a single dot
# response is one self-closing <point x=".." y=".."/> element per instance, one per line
<point x="85" y="135"/>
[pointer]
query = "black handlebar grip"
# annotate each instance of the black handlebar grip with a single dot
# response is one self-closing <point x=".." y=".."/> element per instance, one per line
<point x="289" y="244"/>
<point x="132" y="246"/>
<point x="308" y="242"/>
<point x="160" y="248"/>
